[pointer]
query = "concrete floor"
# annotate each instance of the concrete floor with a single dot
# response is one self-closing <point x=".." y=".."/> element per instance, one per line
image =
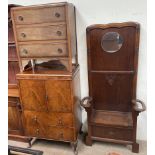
<point x="98" y="148"/>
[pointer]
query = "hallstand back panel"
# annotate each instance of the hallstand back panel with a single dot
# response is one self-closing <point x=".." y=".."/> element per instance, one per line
<point x="112" y="65"/>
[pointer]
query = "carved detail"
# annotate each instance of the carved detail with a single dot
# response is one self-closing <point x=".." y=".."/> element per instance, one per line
<point x="110" y="79"/>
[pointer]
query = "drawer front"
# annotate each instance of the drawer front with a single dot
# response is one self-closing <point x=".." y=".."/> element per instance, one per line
<point x="43" y="50"/>
<point x="33" y="95"/>
<point x="56" y="133"/>
<point x="59" y="95"/>
<point x="43" y="119"/>
<point x="39" y="15"/>
<point x="49" y="32"/>
<point x="112" y="133"/>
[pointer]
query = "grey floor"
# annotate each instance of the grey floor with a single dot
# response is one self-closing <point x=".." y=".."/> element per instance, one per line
<point x="98" y="148"/>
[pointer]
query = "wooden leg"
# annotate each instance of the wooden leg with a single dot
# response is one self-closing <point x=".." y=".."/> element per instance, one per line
<point x="135" y="147"/>
<point x="74" y="146"/>
<point x="31" y="142"/>
<point x="88" y="141"/>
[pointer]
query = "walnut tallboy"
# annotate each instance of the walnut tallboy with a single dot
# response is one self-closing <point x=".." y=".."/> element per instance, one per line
<point x="49" y="72"/>
<point x="112" y="107"/>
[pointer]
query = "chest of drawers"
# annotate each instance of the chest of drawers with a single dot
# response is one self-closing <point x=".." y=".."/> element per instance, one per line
<point x="46" y="32"/>
<point x="48" y="81"/>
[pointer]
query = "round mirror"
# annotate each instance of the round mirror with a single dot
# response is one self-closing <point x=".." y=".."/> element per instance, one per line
<point x="111" y="42"/>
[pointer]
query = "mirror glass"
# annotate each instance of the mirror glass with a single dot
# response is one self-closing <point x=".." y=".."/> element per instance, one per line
<point x="111" y="42"/>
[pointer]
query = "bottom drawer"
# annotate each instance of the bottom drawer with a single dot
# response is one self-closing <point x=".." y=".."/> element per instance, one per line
<point x="112" y="133"/>
<point x="55" y="133"/>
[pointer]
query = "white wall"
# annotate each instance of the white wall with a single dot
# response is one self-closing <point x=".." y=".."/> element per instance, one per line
<point x="107" y="11"/>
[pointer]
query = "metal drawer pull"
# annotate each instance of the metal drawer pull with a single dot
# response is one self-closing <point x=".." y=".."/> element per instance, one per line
<point x="25" y="51"/>
<point x="59" y="33"/>
<point x="57" y="14"/>
<point x="23" y="35"/>
<point x="37" y="131"/>
<point x="60" y="122"/>
<point x="20" y="18"/>
<point x="59" y="50"/>
<point x="35" y="118"/>
<point x="111" y="133"/>
<point x="61" y="135"/>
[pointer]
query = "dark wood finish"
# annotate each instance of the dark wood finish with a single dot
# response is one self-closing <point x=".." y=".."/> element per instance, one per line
<point x="15" y="130"/>
<point x="112" y="108"/>
<point x="49" y="26"/>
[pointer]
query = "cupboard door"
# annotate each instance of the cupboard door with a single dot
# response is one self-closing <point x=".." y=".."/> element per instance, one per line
<point x="59" y="95"/>
<point x="14" y="116"/>
<point x="33" y="95"/>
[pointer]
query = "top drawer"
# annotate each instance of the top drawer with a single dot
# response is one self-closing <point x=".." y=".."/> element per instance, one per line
<point x="39" y="15"/>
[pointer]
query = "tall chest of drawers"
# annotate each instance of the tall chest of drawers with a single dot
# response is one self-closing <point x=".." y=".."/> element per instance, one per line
<point x="49" y="72"/>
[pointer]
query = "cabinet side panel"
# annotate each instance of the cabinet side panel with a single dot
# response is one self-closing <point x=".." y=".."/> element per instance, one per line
<point x="71" y="30"/>
<point x="76" y="101"/>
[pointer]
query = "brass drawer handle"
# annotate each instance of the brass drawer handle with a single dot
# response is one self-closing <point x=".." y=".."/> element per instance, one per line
<point x="61" y="135"/>
<point x="20" y="18"/>
<point x="37" y="131"/>
<point x="25" y="51"/>
<point x="57" y="14"/>
<point x="60" y="122"/>
<point x="59" y="33"/>
<point x="23" y="35"/>
<point x="111" y="133"/>
<point x="35" y="119"/>
<point x="60" y="50"/>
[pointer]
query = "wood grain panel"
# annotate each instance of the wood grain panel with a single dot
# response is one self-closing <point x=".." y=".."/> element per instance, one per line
<point x="39" y="15"/>
<point x="49" y="32"/>
<point x="59" y="95"/>
<point x="33" y="95"/>
<point x="113" y="133"/>
<point x="39" y="119"/>
<point x="46" y="49"/>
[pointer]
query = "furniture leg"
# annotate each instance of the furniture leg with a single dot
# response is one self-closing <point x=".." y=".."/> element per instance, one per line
<point x="88" y="140"/>
<point x="74" y="146"/>
<point x="135" y="147"/>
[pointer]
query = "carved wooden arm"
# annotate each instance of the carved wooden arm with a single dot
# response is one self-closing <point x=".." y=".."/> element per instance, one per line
<point x="135" y="105"/>
<point x="85" y="102"/>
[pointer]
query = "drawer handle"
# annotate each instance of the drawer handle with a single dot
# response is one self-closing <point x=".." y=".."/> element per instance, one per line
<point x="60" y="122"/>
<point x="59" y="33"/>
<point x="61" y="135"/>
<point x="25" y="51"/>
<point x="111" y="133"/>
<point x="59" y="50"/>
<point x="37" y="131"/>
<point x="23" y="35"/>
<point x="57" y="14"/>
<point x="35" y="118"/>
<point x="20" y="18"/>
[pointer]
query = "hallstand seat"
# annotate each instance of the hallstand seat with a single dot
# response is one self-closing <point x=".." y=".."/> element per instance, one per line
<point x="112" y="118"/>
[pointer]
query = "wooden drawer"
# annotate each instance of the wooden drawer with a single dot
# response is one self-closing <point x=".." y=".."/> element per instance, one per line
<point x="45" y="49"/>
<point x="39" y="15"/>
<point x="55" y="133"/>
<point x="48" y="32"/>
<point x="112" y="133"/>
<point x="44" y="119"/>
